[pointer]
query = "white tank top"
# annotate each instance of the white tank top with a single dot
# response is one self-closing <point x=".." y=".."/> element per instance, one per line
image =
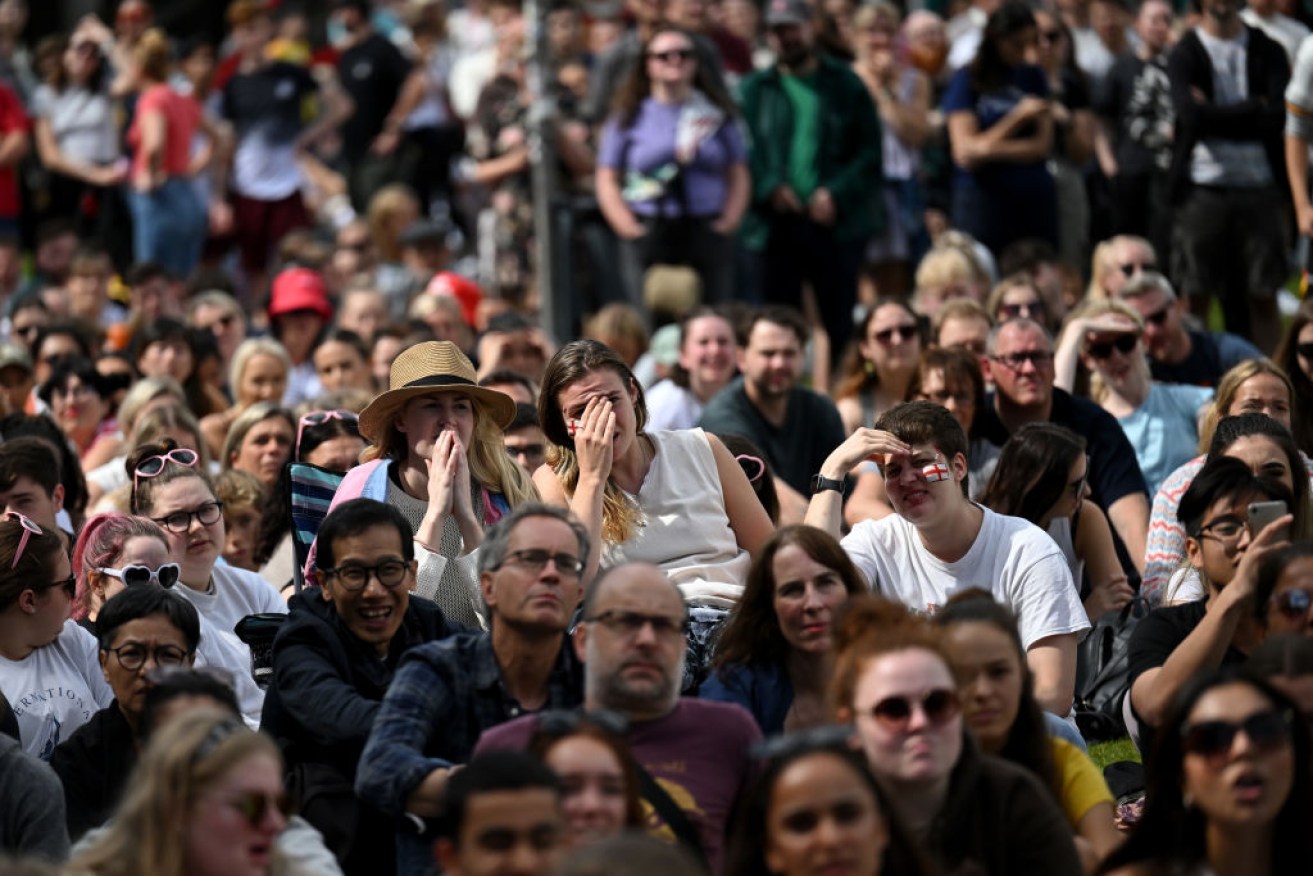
<point x="685" y="529"/>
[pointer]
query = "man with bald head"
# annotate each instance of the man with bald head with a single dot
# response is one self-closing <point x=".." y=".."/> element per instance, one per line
<point x="632" y="640"/>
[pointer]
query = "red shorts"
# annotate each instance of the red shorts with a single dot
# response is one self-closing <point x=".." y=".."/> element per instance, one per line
<point x="259" y="226"/>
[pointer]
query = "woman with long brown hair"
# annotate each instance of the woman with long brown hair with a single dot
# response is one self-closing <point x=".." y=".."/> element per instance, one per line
<point x="672" y="174"/>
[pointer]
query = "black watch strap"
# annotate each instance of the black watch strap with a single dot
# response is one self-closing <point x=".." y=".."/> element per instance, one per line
<point x="820" y="483"/>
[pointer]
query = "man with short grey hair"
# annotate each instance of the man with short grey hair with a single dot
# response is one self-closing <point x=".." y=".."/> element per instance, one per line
<point x="1179" y="353"/>
<point x="694" y="752"/>
<point x="446" y="693"/>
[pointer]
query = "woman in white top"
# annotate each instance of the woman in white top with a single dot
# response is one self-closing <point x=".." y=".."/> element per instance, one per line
<point x="170" y="488"/>
<point x="41" y="651"/>
<point x="707" y="352"/>
<point x="675" y="499"/>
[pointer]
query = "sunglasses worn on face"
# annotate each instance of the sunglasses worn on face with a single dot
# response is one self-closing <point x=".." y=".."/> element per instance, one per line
<point x="1121" y="343"/>
<point x="1305" y="350"/>
<point x="939" y="706"/>
<point x="1213" y="740"/>
<point x="29" y="529"/>
<point x="1015" y="361"/>
<point x="1159" y="317"/>
<point x="70" y="585"/>
<point x="1293" y="603"/>
<point x="134" y="576"/>
<point x="254" y="806"/>
<point x="1130" y="269"/>
<point x="1030" y="311"/>
<point x="670" y="56"/>
<point x="905" y="333"/>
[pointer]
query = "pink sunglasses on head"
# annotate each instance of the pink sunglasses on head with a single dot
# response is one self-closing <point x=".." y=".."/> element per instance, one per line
<point x="29" y="529"/>
<point x="318" y="418"/>
<point x="151" y="466"/>
<point x="744" y="459"/>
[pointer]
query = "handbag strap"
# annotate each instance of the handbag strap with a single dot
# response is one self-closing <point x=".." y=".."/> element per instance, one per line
<point x="669" y="810"/>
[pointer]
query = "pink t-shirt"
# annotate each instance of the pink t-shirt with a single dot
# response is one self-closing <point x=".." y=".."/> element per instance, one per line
<point x="182" y="115"/>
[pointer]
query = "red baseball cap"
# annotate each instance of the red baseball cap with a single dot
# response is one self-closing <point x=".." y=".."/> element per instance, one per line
<point x="299" y="289"/>
<point x="463" y="289"/>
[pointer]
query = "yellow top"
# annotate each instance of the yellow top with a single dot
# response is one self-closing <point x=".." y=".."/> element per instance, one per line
<point x="1082" y="785"/>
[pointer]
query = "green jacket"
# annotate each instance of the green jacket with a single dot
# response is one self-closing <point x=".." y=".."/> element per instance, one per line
<point x="852" y="166"/>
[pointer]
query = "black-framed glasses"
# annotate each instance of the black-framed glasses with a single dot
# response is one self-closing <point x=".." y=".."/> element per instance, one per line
<point x="1130" y="268"/>
<point x="318" y="418"/>
<point x="133" y="656"/>
<point x="134" y="575"/>
<point x="1305" y="350"/>
<point x="354" y="576"/>
<point x="69" y="584"/>
<point x="29" y="529"/>
<point x="1122" y="344"/>
<point x="905" y="334"/>
<point x="670" y="56"/>
<point x="532" y="560"/>
<point x="1159" y="316"/>
<point x="565" y="722"/>
<point x="151" y="466"/>
<point x="826" y="737"/>
<point x="1266" y="731"/>
<point x="939" y="706"/>
<point x="1293" y="603"/>
<point x="1017" y="361"/>
<point x="1030" y="310"/>
<point x="1225" y="529"/>
<point x="180" y="521"/>
<point x="631" y="623"/>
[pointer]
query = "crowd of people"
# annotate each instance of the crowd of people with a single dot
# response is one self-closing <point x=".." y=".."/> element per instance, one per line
<point x="925" y="397"/>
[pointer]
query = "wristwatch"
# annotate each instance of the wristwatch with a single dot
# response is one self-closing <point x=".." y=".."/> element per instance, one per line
<point x="820" y="483"/>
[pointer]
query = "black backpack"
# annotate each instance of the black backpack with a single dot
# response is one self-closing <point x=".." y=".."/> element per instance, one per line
<point x="1103" y="672"/>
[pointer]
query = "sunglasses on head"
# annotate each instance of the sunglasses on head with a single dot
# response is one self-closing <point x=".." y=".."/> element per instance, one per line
<point x="754" y="467"/>
<point x="1293" y="603"/>
<point x="318" y="418"/>
<point x="134" y="576"/>
<point x="1213" y="740"/>
<point x="823" y="738"/>
<point x="29" y="529"/>
<point x="905" y="333"/>
<point x="1121" y="343"/>
<point x="152" y="466"/>
<point x="939" y="706"/>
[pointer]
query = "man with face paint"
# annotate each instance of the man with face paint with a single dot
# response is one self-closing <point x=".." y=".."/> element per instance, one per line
<point x="939" y="542"/>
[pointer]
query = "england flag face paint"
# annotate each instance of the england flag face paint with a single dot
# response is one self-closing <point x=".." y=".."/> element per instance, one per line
<point x="936" y="471"/>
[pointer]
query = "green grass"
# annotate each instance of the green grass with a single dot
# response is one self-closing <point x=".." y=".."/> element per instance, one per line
<point x="1104" y="753"/>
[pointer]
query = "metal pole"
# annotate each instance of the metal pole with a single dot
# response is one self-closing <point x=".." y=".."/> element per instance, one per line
<point x="542" y="161"/>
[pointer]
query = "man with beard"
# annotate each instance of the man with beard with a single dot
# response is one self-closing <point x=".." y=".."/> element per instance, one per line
<point x="696" y="752"/>
<point x="1228" y="175"/>
<point x="445" y="693"/>
<point x="795" y="427"/>
<point x="816" y="163"/>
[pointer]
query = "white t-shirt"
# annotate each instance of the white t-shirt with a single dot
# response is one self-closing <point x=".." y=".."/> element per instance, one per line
<point x="671" y="406"/>
<point x="229" y="653"/>
<point x="1011" y="558"/>
<point x="55" y="689"/>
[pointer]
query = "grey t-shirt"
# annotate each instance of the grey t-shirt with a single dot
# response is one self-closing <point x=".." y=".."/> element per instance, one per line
<point x="82" y="122"/>
<point x="31" y="807"/>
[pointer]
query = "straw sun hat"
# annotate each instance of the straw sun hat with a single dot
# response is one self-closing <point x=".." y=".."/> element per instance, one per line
<point x="433" y="366"/>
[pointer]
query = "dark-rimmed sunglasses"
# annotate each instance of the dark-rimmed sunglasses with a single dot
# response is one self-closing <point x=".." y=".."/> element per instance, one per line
<point x="254" y="806"/>
<point x="671" y="55"/>
<point x="1212" y="740"/>
<point x="1293" y="603"/>
<point x="1305" y="350"/>
<point x="1122" y="344"/>
<point x="939" y="706"/>
<point x="905" y="334"/>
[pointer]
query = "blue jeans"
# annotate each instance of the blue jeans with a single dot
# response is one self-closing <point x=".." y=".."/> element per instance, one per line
<point x="169" y="226"/>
